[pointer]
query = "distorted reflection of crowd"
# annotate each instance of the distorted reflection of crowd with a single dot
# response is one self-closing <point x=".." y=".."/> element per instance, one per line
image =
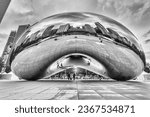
<point x="73" y="76"/>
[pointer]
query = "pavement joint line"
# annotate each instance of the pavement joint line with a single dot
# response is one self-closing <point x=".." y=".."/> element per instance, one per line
<point x="77" y="90"/>
<point x="125" y="96"/>
<point x="100" y="95"/>
<point x="45" y="90"/>
<point x="57" y="95"/>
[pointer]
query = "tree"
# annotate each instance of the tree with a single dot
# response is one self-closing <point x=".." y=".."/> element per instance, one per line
<point x="1" y="63"/>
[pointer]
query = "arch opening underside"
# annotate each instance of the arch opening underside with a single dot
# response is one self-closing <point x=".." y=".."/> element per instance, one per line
<point x="108" y="59"/>
<point x="78" y="64"/>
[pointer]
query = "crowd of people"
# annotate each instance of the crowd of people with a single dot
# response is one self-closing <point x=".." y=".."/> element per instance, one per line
<point x="79" y="76"/>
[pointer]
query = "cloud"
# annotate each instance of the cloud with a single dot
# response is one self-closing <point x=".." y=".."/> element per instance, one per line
<point x="146" y="34"/>
<point x="49" y="7"/>
<point x="30" y="11"/>
<point x="19" y="12"/>
<point x="132" y="13"/>
<point x="3" y="38"/>
<point x="136" y="7"/>
<point x="135" y="13"/>
<point x="2" y="35"/>
<point x="147" y="41"/>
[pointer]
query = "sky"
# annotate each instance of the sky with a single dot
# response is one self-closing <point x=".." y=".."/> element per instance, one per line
<point x="134" y="14"/>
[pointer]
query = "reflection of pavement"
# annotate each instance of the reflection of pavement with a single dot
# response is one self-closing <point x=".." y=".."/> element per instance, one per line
<point x="76" y="90"/>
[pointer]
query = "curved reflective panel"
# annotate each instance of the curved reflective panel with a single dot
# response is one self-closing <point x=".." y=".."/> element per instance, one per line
<point x="76" y="61"/>
<point x="102" y="38"/>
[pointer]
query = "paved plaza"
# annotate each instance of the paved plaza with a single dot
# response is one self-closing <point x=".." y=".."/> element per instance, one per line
<point x="74" y="90"/>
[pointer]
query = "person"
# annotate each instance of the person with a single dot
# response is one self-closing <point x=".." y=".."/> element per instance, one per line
<point x="61" y="65"/>
<point x="57" y="64"/>
<point x="74" y="76"/>
<point x="68" y="75"/>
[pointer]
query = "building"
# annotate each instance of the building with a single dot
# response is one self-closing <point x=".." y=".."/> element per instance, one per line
<point x="3" y="7"/>
<point x="13" y="37"/>
<point x="7" y="49"/>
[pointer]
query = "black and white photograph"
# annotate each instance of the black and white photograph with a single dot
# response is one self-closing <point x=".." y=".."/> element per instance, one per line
<point x="74" y="49"/>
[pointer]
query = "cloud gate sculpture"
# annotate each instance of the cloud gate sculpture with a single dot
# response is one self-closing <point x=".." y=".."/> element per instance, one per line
<point x="77" y="40"/>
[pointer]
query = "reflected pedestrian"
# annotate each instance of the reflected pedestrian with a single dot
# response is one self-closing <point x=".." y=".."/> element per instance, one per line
<point x="68" y="75"/>
<point x="74" y="76"/>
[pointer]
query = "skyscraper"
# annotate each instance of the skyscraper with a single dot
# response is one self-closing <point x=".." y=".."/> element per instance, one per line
<point x="3" y="7"/>
<point x="13" y="37"/>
